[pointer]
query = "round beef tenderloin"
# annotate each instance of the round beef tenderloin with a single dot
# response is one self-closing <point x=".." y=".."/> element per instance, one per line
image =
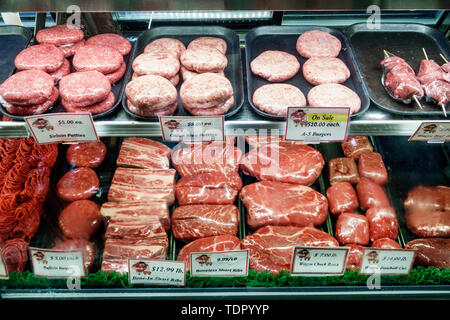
<point x="111" y="40"/>
<point x="45" y="57"/>
<point x="203" y="59"/>
<point x="80" y="219"/>
<point x="205" y="91"/>
<point x="60" y="34"/>
<point x="318" y="43"/>
<point x="277" y="97"/>
<point x="70" y="48"/>
<point x="61" y="72"/>
<point x="33" y="109"/>
<point x="160" y="64"/>
<point x="88" y="154"/>
<point x="95" y="108"/>
<point x="77" y="184"/>
<point x="217" y="110"/>
<point x="166" y="45"/>
<point x="115" y="76"/>
<point x="28" y="87"/>
<point x="98" y="58"/>
<point x="334" y="95"/>
<point x="212" y="42"/>
<point x="86" y="247"/>
<point x="275" y="65"/>
<point x="84" y="88"/>
<point x="325" y="70"/>
<point x="152" y="92"/>
<point x="151" y="112"/>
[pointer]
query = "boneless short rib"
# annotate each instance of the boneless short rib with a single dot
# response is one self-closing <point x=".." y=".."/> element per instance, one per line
<point x="277" y="203"/>
<point x="342" y="198"/>
<point x="371" y="166"/>
<point x="352" y="228"/>
<point x="143" y="153"/>
<point x="354" y="146"/>
<point x="271" y="247"/>
<point x="371" y="194"/>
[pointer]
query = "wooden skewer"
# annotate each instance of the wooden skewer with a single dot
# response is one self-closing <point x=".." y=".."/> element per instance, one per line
<point x="417" y="101"/>
<point x="443" y="58"/>
<point x="425" y="53"/>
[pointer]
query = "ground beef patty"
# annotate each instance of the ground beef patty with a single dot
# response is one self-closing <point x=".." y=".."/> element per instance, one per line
<point x="111" y="40"/>
<point x="187" y="74"/>
<point x="212" y="42"/>
<point x="277" y="97"/>
<point x="203" y="59"/>
<point x="166" y="45"/>
<point x="174" y="80"/>
<point x="86" y="154"/>
<point x="207" y="90"/>
<point x="45" y="57"/>
<point x="115" y="76"/>
<point x="160" y="64"/>
<point x="77" y="184"/>
<point x="98" y="58"/>
<point x="38" y="89"/>
<point x="62" y="71"/>
<point x="95" y="108"/>
<point x="317" y="43"/>
<point x="275" y="65"/>
<point x="60" y="34"/>
<point x="84" y="88"/>
<point x="151" y="92"/>
<point x="219" y="109"/>
<point x="70" y="48"/>
<point x="151" y="112"/>
<point x="334" y="95"/>
<point x="80" y="219"/>
<point x="32" y="109"/>
<point x="325" y="70"/>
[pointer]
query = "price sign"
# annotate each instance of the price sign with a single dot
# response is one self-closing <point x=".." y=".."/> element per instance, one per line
<point x="220" y="264"/>
<point x="62" y="127"/>
<point x="157" y="272"/>
<point x="387" y="261"/>
<point x="319" y="260"/>
<point x="432" y="132"/>
<point x="3" y="268"/>
<point x="315" y="125"/>
<point x="57" y="263"/>
<point x="192" y="129"/>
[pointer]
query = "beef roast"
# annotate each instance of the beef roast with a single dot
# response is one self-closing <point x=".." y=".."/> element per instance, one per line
<point x="434" y="252"/>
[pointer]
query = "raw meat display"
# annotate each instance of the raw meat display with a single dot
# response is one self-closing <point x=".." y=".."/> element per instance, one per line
<point x="402" y="83"/>
<point x="214" y="42"/>
<point x="88" y="154"/>
<point x="386" y="243"/>
<point x="143" y="153"/>
<point x="371" y="194"/>
<point x="275" y="65"/>
<point x="354" y="146"/>
<point x="204" y="220"/>
<point x="80" y="219"/>
<point x="342" y="198"/>
<point x="352" y="228"/>
<point x="60" y="34"/>
<point x="143" y="185"/>
<point x="111" y="40"/>
<point x="428" y="198"/>
<point x="429" y="71"/>
<point x="434" y="252"/>
<point x="169" y="45"/>
<point x="208" y="188"/>
<point x="321" y="70"/>
<point x="276" y="98"/>
<point x="258" y="141"/>
<point x="318" y="43"/>
<point x="271" y="247"/>
<point x="87" y="248"/>
<point x="61" y="71"/>
<point x="135" y="229"/>
<point x="382" y="223"/>
<point x="439" y="91"/>
<point x="277" y="203"/>
<point x="15" y="254"/>
<point x="203" y="59"/>
<point x="343" y="170"/>
<point x="77" y="184"/>
<point x="70" y="48"/>
<point x="294" y="163"/>
<point x="208" y="244"/>
<point x="45" y="57"/>
<point x="354" y="257"/>
<point x="104" y="59"/>
<point x="371" y="166"/>
<point x="34" y="109"/>
<point x="137" y="210"/>
<point x="161" y="64"/>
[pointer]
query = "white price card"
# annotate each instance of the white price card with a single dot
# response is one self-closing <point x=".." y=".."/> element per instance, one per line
<point x="52" y="263"/>
<point x="315" y="125"/>
<point x="62" y="127"/>
<point x="387" y="261"/>
<point x="220" y="264"/>
<point x="3" y="268"/>
<point x="192" y="129"/>
<point x="319" y="260"/>
<point x="157" y="272"/>
<point x="437" y="132"/>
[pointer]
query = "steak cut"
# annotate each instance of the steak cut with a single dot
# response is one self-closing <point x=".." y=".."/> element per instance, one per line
<point x="291" y="163"/>
<point x="382" y="223"/>
<point x="433" y="252"/>
<point x="371" y="194"/>
<point x="352" y="228"/>
<point x="342" y="198"/>
<point x="143" y="153"/>
<point x="271" y="247"/>
<point x="371" y="166"/>
<point x="283" y="204"/>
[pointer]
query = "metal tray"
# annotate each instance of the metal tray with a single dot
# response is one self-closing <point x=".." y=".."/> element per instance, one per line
<point x="404" y="40"/>
<point x="117" y="89"/>
<point x="13" y="39"/>
<point x="284" y="38"/>
<point x="186" y="34"/>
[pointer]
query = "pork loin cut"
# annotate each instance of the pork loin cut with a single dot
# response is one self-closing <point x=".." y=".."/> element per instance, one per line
<point x="271" y="247"/>
<point x="143" y="153"/>
<point x="283" y="204"/>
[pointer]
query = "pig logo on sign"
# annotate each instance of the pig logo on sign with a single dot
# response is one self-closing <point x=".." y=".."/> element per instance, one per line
<point x="141" y="267"/>
<point x="40" y="257"/>
<point x="304" y="254"/>
<point x="431" y="128"/>
<point x="204" y="260"/>
<point x="299" y="117"/>
<point x="42" y="124"/>
<point x="372" y="257"/>
<point x="172" y="124"/>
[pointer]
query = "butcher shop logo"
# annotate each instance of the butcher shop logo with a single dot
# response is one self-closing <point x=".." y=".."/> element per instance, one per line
<point x="42" y="124"/>
<point x="40" y="257"/>
<point x="373" y="257"/>
<point x="142" y="267"/>
<point x="304" y="254"/>
<point x="204" y="259"/>
<point x="431" y="128"/>
<point x="299" y="117"/>
<point x="172" y="124"/>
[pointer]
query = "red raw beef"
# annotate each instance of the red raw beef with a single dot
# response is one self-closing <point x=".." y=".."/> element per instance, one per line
<point x="371" y="194"/>
<point x="208" y="244"/>
<point x="343" y="170"/>
<point x="15" y="254"/>
<point x="371" y="166"/>
<point x="434" y="252"/>
<point x="135" y="229"/>
<point x="291" y="163"/>
<point x="342" y="198"/>
<point x="143" y="153"/>
<point x="80" y="219"/>
<point x="352" y="228"/>
<point x="382" y="223"/>
<point x="386" y="243"/>
<point x="278" y="203"/>
<point x="355" y="256"/>
<point x="354" y="146"/>
<point x="271" y="247"/>
<point x="428" y="198"/>
<point x="199" y="221"/>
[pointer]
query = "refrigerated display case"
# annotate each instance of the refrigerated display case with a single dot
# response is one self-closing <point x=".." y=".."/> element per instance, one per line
<point x="408" y="163"/>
